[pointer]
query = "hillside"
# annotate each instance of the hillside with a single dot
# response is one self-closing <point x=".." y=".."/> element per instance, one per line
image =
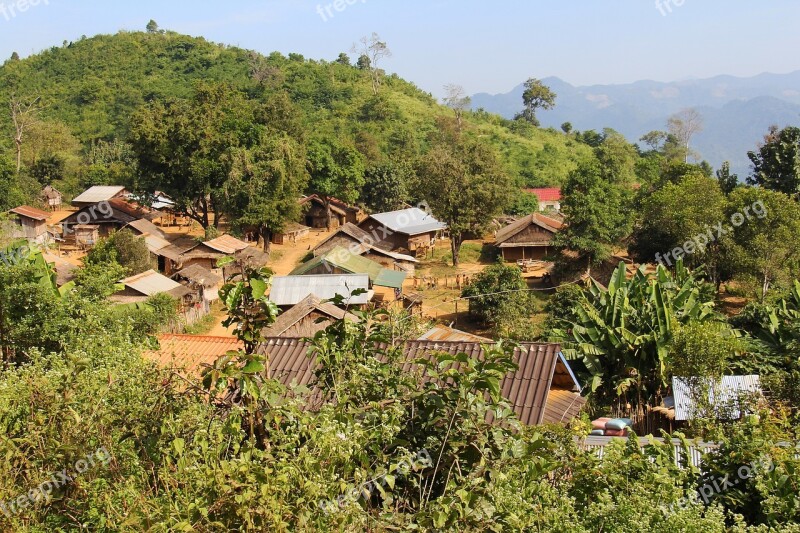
<point x="94" y="85"/>
<point x="737" y="111"/>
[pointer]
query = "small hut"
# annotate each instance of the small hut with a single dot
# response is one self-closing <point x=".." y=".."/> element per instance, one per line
<point x="86" y="235"/>
<point x="52" y="198"/>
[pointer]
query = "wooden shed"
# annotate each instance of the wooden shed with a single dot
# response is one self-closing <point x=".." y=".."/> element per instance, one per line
<point x="306" y="318"/>
<point x="31" y="223"/>
<point x="86" y="235"/>
<point x="292" y="234"/>
<point x="316" y="217"/>
<point x="408" y="230"/>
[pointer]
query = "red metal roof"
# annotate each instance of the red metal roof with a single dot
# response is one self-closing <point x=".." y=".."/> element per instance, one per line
<point x="30" y="212"/>
<point x="547" y="194"/>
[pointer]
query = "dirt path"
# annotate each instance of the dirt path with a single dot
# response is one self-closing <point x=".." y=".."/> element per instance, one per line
<point x="286" y="257"/>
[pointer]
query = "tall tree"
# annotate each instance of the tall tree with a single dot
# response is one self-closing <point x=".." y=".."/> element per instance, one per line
<point x="727" y="180"/>
<point x="372" y="51"/>
<point x="536" y="96"/>
<point x="24" y="114"/>
<point x="776" y="163"/>
<point x="186" y="148"/>
<point x="684" y="125"/>
<point x="678" y="216"/>
<point x="337" y="171"/>
<point x="766" y="245"/>
<point x="465" y="185"/>
<point x="596" y="211"/>
<point x="457" y="99"/>
<point x="265" y="184"/>
<point x="386" y="186"/>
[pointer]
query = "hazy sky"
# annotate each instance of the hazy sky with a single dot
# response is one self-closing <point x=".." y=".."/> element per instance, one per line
<point x="486" y="46"/>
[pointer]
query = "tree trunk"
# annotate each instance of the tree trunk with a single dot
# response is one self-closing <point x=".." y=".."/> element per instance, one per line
<point x="215" y="211"/>
<point x="455" y="247"/>
<point x="266" y="235"/>
<point x="18" y="142"/>
<point x="328" y="223"/>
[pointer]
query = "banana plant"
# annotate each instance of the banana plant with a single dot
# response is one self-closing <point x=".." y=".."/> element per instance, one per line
<point x="622" y="333"/>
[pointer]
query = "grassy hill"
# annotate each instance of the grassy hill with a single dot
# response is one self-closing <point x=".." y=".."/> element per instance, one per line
<point x="92" y="87"/>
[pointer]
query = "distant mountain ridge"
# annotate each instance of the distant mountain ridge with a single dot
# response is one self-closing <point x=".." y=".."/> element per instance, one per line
<point x="737" y="111"/>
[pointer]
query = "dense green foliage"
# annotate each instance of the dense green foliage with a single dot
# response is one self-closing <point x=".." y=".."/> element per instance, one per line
<point x="92" y="89"/>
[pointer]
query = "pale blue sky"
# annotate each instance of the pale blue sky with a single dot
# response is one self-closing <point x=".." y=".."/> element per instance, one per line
<point x="485" y="45"/>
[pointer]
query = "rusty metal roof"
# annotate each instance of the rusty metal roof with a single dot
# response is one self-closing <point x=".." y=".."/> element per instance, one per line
<point x="526" y="389"/>
<point x="30" y="212"/>
<point x="226" y="244"/>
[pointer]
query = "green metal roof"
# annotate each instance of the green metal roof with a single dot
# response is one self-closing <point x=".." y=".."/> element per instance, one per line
<point x="344" y="260"/>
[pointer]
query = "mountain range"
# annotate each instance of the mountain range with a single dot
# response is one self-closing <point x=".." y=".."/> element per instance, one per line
<point x="737" y="112"/>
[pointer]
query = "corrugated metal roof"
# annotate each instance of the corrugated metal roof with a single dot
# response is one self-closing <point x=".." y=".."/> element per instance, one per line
<point x="155" y="243"/>
<point x="697" y="449"/>
<point x="150" y="283"/>
<point x="145" y="226"/>
<point x="527" y="389"/>
<point x="412" y="221"/>
<point x="30" y="212"/>
<point x="291" y="290"/>
<point x="367" y="243"/>
<point x="226" y="244"/>
<point x="301" y="310"/>
<point x="199" y="274"/>
<point x="343" y="259"/>
<point x="98" y="193"/>
<point x="723" y="396"/>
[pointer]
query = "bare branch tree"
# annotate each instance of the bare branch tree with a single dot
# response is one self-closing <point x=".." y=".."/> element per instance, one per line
<point x="683" y="126"/>
<point x="23" y="115"/>
<point x="374" y="50"/>
<point x="457" y="99"/>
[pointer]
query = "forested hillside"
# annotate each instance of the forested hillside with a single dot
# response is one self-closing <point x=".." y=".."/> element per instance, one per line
<point x="89" y="90"/>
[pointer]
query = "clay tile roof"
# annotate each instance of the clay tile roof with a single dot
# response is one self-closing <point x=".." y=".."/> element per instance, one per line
<point x="547" y="194"/>
<point x="191" y="352"/>
<point x="30" y="212"/>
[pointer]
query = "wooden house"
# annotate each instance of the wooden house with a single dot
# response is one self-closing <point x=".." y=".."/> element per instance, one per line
<point x="530" y="237"/>
<point x="30" y="223"/>
<point x="306" y="318"/>
<point x="409" y="230"/>
<point x="292" y="234"/>
<point x="358" y="241"/>
<point x="201" y="281"/>
<point x="315" y="215"/>
<point x="110" y="216"/>
<point x="52" y="198"/>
